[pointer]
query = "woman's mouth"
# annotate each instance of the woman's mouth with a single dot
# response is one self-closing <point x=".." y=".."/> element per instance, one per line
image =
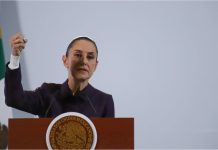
<point x="82" y="69"/>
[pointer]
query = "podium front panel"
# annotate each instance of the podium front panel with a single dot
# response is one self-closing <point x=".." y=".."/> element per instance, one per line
<point x="112" y="133"/>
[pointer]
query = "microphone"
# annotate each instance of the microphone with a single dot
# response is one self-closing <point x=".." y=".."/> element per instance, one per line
<point x="49" y="107"/>
<point x="77" y="94"/>
<point x="92" y="106"/>
<point x="86" y="98"/>
<point x="51" y="103"/>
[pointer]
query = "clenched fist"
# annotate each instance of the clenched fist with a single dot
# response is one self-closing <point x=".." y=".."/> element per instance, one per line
<point x="18" y="43"/>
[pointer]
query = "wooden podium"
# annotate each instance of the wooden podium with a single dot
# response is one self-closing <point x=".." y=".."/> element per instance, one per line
<point x="112" y="133"/>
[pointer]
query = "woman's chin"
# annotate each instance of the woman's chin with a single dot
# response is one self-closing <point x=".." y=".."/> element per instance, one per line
<point x="82" y="78"/>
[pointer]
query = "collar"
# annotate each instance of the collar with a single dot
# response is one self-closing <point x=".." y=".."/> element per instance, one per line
<point x="66" y="91"/>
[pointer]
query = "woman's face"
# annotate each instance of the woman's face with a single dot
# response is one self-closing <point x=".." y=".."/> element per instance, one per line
<point x="81" y="61"/>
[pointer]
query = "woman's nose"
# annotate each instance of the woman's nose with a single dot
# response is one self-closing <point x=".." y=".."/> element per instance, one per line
<point x="84" y="59"/>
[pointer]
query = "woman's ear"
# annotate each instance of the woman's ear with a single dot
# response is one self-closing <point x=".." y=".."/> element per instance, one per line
<point x="96" y="65"/>
<point x="65" y="61"/>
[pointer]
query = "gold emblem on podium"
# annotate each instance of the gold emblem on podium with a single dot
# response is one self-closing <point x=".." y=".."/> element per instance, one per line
<point x="71" y="131"/>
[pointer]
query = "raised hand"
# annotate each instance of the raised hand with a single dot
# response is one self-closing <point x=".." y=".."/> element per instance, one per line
<point x="18" y="43"/>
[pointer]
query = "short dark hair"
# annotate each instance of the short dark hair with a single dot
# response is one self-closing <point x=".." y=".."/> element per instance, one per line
<point x="80" y="38"/>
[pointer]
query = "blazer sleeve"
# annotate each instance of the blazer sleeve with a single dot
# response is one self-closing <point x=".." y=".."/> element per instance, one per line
<point x="16" y="97"/>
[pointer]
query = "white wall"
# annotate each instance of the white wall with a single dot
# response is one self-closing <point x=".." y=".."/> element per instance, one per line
<point x="157" y="59"/>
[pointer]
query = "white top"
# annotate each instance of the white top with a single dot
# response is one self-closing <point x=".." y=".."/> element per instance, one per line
<point x="14" y="62"/>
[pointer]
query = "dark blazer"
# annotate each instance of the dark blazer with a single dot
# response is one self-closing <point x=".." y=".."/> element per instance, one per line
<point x="50" y="100"/>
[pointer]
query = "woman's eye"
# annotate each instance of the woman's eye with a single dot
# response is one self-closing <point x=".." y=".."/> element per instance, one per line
<point x="90" y="57"/>
<point x="77" y="55"/>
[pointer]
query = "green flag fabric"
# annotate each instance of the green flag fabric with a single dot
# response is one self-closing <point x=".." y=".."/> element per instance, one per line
<point x="2" y="59"/>
<point x="6" y="112"/>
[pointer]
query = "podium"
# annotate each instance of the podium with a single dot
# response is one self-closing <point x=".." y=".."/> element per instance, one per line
<point x="112" y="133"/>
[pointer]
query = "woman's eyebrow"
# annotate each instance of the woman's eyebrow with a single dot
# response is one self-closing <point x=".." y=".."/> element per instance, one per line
<point x="91" y="53"/>
<point x="78" y="50"/>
